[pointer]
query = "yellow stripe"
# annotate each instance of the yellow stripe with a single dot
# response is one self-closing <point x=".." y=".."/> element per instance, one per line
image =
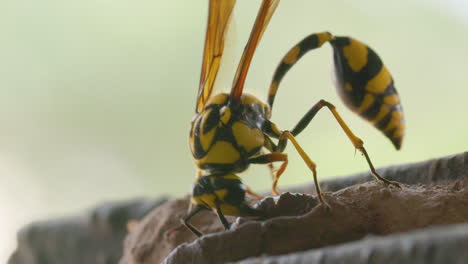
<point x="382" y="113"/>
<point x="228" y="209"/>
<point x="205" y="199"/>
<point x="392" y="99"/>
<point x="291" y="57"/>
<point x="218" y="99"/>
<point x="225" y="114"/>
<point x="273" y="88"/>
<point x="348" y="87"/>
<point x="230" y="176"/>
<point x="210" y="199"/>
<point x="366" y="103"/>
<point x="222" y="152"/>
<point x="356" y="54"/>
<point x="250" y="99"/>
<point x="246" y="137"/>
<point x="380" y="82"/>
<point x="221" y="194"/>
<point x="324" y="37"/>
<point x="399" y="131"/>
<point x="206" y="137"/>
<point x="395" y="121"/>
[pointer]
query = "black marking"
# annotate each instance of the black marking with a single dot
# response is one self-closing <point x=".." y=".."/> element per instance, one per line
<point x="307" y="44"/>
<point x="281" y="70"/>
<point x="212" y="120"/>
<point x="358" y="80"/>
<point x="382" y="124"/>
<point x="371" y="112"/>
<point x="235" y="195"/>
<point x="198" y="151"/>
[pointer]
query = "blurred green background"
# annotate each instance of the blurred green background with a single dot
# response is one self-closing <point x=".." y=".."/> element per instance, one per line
<point x="96" y="97"/>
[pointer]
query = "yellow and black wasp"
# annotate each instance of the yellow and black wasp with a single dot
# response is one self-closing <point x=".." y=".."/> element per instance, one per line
<point x="232" y="130"/>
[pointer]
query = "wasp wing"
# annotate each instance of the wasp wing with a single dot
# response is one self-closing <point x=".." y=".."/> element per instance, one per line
<point x="218" y="22"/>
<point x="263" y="17"/>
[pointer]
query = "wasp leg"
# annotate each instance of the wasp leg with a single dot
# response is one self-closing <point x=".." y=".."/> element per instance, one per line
<point x="253" y="194"/>
<point x="185" y="220"/>
<point x="268" y="159"/>
<point x="271" y="146"/>
<point x="286" y="135"/>
<point x="357" y="142"/>
<point x="221" y="217"/>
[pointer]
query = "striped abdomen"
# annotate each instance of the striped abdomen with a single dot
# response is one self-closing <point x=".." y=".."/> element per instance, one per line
<point x="363" y="82"/>
<point x="367" y="88"/>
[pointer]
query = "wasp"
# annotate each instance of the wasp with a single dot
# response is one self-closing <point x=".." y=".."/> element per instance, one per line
<point x="231" y="131"/>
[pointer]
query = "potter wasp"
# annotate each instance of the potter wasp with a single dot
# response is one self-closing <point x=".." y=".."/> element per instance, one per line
<point x="231" y="131"/>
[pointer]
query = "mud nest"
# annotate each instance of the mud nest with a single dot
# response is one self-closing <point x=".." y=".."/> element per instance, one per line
<point x="434" y="193"/>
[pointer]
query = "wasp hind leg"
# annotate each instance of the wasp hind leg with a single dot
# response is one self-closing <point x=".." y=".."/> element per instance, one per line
<point x="284" y="137"/>
<point x="357" y="142"/>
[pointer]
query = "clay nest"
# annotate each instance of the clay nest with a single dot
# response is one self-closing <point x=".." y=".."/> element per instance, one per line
<point x="294" y="222"/>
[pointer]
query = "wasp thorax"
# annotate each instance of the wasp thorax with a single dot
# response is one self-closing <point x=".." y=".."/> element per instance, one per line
<point x="224" y="134"/>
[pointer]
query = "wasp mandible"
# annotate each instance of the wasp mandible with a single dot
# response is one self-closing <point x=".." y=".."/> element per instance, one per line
<point x="231" y="131"/>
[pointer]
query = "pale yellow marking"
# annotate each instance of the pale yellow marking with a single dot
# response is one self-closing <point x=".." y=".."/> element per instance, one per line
<point x="356" y="55"/>
<point x="192" y="132"/>
<point x="230" y="176"/>
<point x="398" y="133"/>
<point x="210" y="199"/>
<point x="380" y="82"/>
<point x="291" y="57"/>
<point x="192" y="144"/>
<point x="395" y="120"/>
<point x="206" y="137"/>
<point x="273" y="88"/>
<point x="366" y="103"/>
<point x="250" y="99"/>
<point x="246" y="137"/>
<point x="275" y="129"/>
<point x="225" y="115"/>
<point x="348" y="87"/>
<point x="218" y="99"/>
<point x="382" y="113"/>
<point x="392" y="99"/>
<point x="204" y="117"/>
<point x="221" y="194"/>
<point x="205" y="199"/>
<point x="228" y="209"/>
<point x="222" y="152"/>
<point x="324" y="37"/>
